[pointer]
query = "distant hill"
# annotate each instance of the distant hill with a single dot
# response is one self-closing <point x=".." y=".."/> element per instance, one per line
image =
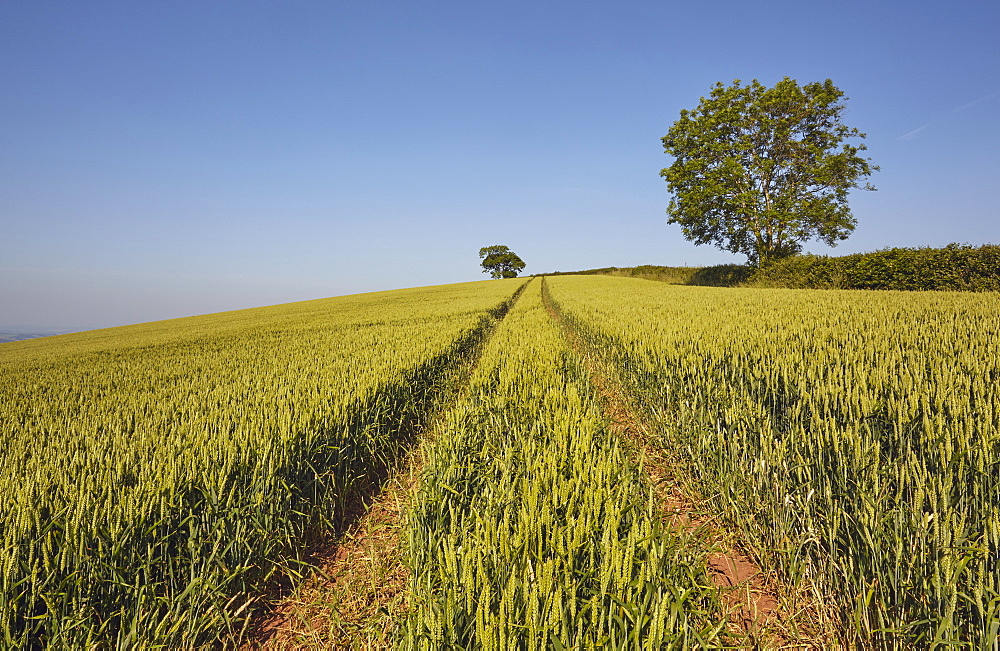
<point x="10" y="335"/>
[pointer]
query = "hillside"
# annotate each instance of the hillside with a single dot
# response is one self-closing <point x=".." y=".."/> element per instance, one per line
<point x="571" y="461"/>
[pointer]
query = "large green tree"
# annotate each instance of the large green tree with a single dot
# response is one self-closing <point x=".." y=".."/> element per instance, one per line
<point x="500" y="262"/>
<point x="760" y="170"/>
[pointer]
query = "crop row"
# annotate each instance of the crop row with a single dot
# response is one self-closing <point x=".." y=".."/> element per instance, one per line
<point x="532" y="527"/>
<point x="156" y="477"/>
<point x="852" y="439"/>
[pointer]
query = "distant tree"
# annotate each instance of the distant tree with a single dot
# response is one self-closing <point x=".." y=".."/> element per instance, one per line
<point x="760" y="170"/>
<point x="500" y="262"/>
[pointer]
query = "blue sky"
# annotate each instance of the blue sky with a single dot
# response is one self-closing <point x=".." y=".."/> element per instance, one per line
<point x="175" y="158"/>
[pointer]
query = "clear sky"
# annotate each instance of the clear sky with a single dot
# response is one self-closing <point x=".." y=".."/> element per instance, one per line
<point x="162" y="159"/>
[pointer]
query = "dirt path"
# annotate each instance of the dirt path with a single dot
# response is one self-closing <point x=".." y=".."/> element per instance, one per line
<point x="763" y="613"/>
<point x="359" y="590"/>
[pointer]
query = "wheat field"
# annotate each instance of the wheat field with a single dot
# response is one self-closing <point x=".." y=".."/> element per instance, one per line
<point x="161" y="479"/>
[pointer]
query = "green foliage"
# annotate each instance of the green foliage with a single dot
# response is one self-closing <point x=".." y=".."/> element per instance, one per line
<point x="500" y="262"/>
<point x="801" y="272"/>
<point x="723" y="275"/>
<point x="674" y="275"/>
<point x="853" y="438"/>
<point x="955" y="267"/>
<point x="760" y="170"/>
<point x="155" y="477"/>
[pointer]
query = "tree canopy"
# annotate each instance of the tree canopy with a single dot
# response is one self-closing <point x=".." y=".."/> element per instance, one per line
<point x="500" y="262"/>
<point x="760" y="170"/>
